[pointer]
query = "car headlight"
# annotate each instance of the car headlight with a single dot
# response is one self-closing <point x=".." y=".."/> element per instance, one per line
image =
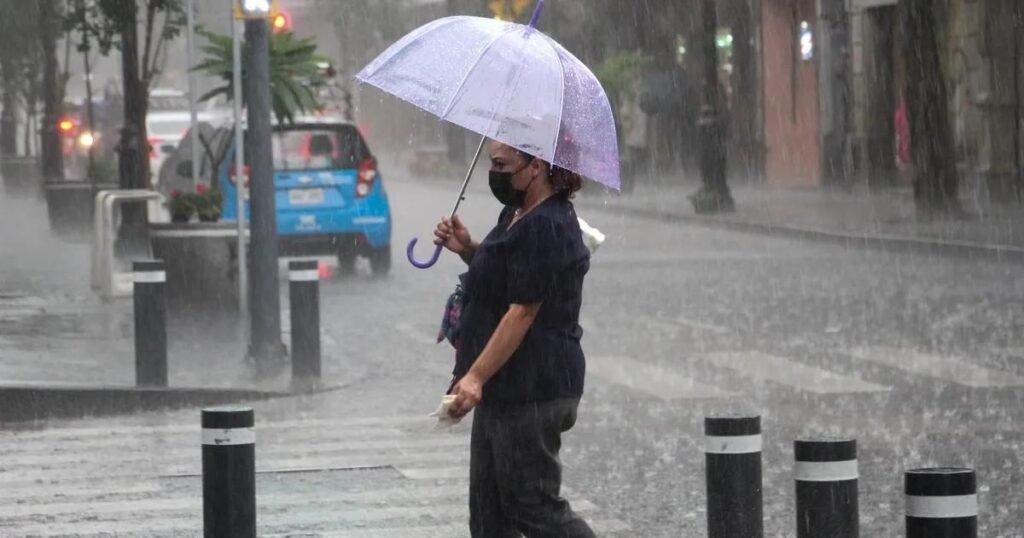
<point x="86" y="139"/>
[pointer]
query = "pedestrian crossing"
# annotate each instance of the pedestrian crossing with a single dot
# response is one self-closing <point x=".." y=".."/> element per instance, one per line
<point x="351" y="477"/>
<point x="718" y="375"/>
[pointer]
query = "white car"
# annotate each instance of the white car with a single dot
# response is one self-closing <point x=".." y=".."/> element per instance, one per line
<point x="167" y="122"/>
<point x="165" y="130"/>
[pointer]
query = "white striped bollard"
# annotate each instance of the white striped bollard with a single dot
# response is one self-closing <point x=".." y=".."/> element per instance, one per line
<point x="229" y="472"/>
<point x="732" y="457"/>
<point x="304" y="295"/>
<point x="150" y="313"/>
<point x="826" y="478"/>
<point x="941" y="503"/>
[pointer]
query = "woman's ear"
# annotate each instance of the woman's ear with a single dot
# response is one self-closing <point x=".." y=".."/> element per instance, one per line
<point x="538" y="167"/>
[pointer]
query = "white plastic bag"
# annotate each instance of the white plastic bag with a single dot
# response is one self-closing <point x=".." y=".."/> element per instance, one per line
<point x="592" y="237"/>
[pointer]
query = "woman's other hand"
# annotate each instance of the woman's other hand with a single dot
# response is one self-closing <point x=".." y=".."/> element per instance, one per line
<point x="468" y="392"/>
<point x="453" y="235"/>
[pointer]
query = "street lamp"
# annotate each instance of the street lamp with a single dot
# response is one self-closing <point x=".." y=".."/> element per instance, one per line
<point x="265" y="345"/>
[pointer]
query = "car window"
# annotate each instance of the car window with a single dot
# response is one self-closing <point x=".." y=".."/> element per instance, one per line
<point x="168" y="102"/>
<point x="313" y="148"/>
<point x="169" y="127"/>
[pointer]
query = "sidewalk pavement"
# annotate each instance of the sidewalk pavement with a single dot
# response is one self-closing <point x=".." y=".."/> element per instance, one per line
<point x="54" y="330"/>
<point x="883" y="218"/>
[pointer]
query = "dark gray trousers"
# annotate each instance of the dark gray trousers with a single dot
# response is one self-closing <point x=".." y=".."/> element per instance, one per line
<point x="515" y="475"/>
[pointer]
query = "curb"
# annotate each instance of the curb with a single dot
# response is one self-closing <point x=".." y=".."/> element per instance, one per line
<point x="889" y="243"/>
<point x="25" y="402"/>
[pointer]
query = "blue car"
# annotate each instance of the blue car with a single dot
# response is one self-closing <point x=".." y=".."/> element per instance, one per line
<point x="330" y="195"/>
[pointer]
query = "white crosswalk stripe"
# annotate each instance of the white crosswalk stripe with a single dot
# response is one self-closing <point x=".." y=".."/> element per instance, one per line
<point x="651" y="380"/>
<point x="765" y="367"/>
<point x="358" y="478"/>
<point x="952" y="369"/>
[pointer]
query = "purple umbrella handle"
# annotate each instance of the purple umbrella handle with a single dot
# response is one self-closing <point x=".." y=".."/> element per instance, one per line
<point x="536" y="13"/>
<point x="421" y="265"/>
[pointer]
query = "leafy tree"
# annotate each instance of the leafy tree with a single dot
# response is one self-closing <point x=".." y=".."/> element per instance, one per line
<point x="19" y="60"/>
<point x="294" y="66"/>
<point x="116" y="27"/>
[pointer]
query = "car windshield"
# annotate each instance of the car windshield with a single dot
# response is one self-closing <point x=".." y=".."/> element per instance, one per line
<point x="312" y="148"/>
<point x="166" y="127"/>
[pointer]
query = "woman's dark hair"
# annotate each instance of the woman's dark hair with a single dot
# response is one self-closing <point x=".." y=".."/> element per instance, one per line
<point x="566" y="182"/>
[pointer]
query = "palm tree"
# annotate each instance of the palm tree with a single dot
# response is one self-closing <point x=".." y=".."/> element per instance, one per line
<point x="294" y="66"/>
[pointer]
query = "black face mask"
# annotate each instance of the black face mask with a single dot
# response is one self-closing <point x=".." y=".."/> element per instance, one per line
<point x="501" y="187"/>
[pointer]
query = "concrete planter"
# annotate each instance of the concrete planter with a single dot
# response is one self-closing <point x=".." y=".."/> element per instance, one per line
<point x="21" y="175"/>
<point x="69" y="207"/>
<point x="200" y="262"/>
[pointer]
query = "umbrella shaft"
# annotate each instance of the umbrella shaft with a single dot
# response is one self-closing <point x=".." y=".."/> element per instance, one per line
<point x="469" y="174"/>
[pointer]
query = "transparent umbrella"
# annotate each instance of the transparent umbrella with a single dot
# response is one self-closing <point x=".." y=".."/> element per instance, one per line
<point x="508" y="82"/>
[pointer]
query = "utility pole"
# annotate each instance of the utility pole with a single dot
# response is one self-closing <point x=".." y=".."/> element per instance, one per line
<point x="265" y="345"/>
<point x="190" y="32"/>
<point x="714" y="195"/>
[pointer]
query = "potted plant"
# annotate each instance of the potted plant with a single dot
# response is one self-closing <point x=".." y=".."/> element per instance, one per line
<point x="205" y="204"/>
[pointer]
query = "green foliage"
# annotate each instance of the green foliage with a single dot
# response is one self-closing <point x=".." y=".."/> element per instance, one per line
<point x="205" y="203"/>
<point x="103" y="169"/>
<point x="111" y="15"/>
<point x="20" y="48"/>
<point x="294" y="67"/>
<point x="619" y="72"/>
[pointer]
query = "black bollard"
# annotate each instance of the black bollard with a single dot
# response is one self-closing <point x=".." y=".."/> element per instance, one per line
<point x="733" y="466"/>
<point x="826" y="488"/>
<point x="229" y="473"/>
<point x="941" y="503"/>
<point x="304" y="294"/>
<point x="150" y="303"/>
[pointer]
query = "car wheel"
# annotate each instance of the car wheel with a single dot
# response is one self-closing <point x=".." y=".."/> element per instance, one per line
<point x="380" y="261"/>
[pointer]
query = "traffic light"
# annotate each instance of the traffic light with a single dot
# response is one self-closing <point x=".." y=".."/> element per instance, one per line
<point x="509" y="10"/>
<point x="281" y="22"/>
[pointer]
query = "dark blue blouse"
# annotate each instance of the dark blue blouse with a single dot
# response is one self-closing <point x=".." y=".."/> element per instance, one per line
<point x="540" y="259"/>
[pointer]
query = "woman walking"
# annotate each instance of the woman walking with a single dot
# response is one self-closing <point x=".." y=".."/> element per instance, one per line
<point x="519" y="362"/>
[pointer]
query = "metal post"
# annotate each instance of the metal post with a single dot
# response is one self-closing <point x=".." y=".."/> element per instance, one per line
<point x="229" y="473"/>
<point x="150" y="302"/>
<point x="826" y="488"/>
<point x="265" y="306"/>
<point x="240" y="186"/>
<point x="714" y="195"/>
<point x="192" y="88"/>
<point x="304" y="295"/>
<point x="733" y="466"/>
<point x="941" y="502"/>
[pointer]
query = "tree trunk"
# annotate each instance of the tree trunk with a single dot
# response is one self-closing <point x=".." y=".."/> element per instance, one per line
<point x="132" y="237"/>
<point x="8" y="118"/>
<point x="936" y="178"/>
<point x="51" y="153"/>
<point x="90" y="114"/>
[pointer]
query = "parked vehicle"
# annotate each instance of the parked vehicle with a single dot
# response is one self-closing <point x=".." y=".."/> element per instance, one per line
<point x="330" y="196"/>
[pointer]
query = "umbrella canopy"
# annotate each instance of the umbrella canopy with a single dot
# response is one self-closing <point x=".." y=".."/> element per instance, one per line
<point x="508" y="82"/>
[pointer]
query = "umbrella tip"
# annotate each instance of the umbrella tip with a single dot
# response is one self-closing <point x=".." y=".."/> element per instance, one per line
<point x="536" y="13"/>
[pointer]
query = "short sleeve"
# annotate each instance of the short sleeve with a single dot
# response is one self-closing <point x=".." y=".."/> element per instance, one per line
<point x="536" y="256"/>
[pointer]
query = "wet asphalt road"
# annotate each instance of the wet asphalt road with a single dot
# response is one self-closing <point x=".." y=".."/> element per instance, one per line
<point x="921" y="358"/>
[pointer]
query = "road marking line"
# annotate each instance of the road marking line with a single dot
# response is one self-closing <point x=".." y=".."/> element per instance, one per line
<point x="765" y="367"/>
<point x="649" y="379"/>
<point x="193" y="427"/>
<point x="144" y="451"/>
<point x="954" y="370"/>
